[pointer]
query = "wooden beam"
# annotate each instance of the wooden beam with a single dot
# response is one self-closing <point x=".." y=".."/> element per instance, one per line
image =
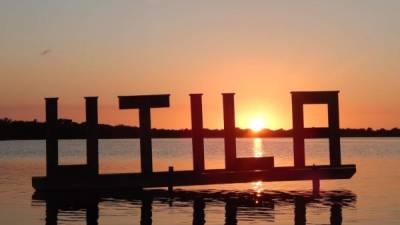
<point x="139" y="101"/>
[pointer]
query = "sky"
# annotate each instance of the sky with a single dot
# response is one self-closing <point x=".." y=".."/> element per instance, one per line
<point x="260" y="50"/>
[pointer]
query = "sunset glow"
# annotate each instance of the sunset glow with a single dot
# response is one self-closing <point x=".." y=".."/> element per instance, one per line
<point x="209" y="49"/>
<point x="257" y="124"/>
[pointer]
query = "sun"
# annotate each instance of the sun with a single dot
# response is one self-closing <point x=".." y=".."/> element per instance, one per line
<point x="257" y="124"/>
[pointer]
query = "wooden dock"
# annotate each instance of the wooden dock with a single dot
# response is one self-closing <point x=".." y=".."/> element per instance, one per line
<point x="126" y="181"/>
<point x="237" y="170"/>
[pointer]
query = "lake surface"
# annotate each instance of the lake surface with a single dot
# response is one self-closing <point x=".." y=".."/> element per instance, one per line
<point x="372" y="196"/>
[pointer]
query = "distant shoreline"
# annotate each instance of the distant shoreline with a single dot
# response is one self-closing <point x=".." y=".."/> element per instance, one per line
<point x="154" y="138"/>
<point x="68" y="129"/>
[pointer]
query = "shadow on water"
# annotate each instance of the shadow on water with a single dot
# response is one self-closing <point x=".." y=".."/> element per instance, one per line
<point x="245" y="204"/>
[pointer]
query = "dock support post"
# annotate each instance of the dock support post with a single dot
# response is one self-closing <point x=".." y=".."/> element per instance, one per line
<point x="197" y="132"/>
<point x="334" y="132"/>
<point x="298" y="135"/>
<point x="146" y="158"/>
<point x="92" y="146"/>
<point x="170" y="179"/>
<point x="229" y="130"/>
<point x="51" y="136"/>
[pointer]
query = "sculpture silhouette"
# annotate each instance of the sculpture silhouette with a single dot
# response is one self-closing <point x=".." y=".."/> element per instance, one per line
<point x="87" y="177"/>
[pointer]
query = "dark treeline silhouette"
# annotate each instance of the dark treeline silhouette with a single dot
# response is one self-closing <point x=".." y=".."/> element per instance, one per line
<point x="68" y="129"/>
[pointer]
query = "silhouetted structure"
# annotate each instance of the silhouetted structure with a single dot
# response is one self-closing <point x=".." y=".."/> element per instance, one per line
<point x="144" y="104"/>
<point x="86" y="177"/>
<point x="300" y="133"/>
<point x="53" y="169"/>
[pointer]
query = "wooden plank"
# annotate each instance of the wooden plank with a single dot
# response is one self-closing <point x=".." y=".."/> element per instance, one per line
<point x="313" y="97"/>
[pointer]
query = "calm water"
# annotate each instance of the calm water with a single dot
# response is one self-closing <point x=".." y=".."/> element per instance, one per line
<point x="370" y="197"/>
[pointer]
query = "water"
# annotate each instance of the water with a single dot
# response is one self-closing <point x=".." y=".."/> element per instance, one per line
<point x="370" y="197"/>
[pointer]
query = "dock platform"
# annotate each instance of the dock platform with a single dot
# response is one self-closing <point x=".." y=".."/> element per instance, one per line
<point x="132" y="181"/>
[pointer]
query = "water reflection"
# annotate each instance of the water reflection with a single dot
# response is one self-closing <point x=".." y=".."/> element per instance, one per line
<point x="236" y="204"/>
<point x="257" y="147"/>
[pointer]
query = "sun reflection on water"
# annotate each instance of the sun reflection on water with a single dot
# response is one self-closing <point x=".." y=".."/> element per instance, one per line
<point x="257" y="187"/>
<point x="257" y="147"/>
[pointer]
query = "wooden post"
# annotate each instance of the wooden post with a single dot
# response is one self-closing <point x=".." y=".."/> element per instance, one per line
<point x="170" y="179"/>
<point x="51" y="136"/>
<point x="146" y="155"/>
<point x="92" y="146"/>
<point x="197" y="132"/>
<point x="334" y="132"/>
<point x="229" y="130"/>
<point x="144" y="103"/>
<point x="298" y="134"/>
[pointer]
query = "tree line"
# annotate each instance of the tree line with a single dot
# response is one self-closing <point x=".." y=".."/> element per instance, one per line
<point x="68" y="129"/>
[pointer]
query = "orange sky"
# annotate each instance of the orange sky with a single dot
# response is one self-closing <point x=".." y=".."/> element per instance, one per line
<point x="258" y="49"/>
